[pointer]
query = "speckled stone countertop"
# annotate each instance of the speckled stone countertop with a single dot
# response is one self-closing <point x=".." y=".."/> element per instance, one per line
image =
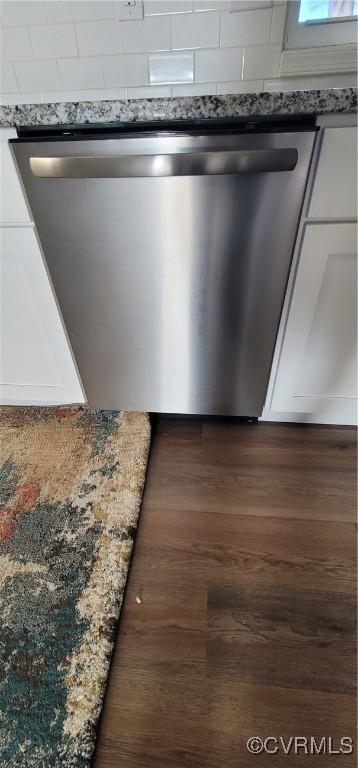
<point x="188" y="108"/>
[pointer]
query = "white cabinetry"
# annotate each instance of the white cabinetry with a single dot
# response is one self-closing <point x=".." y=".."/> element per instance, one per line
<point x="314" y="374"/>
<point x="317" y="370"/>
<point x="13" y="207"/>
<point x="334" y="193"/>
<point x="36" y="364"/>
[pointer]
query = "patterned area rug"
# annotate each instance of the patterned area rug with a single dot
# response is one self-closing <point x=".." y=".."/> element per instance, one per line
<point x="71" y="484"/>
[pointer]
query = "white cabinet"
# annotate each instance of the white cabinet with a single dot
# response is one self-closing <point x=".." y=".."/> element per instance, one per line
<point x="334" y="194"/>
<point x="314" y="373"/>
<point x="36" y="364"/>
<point x="13" y="207"/>
<point x="317" y="368"/>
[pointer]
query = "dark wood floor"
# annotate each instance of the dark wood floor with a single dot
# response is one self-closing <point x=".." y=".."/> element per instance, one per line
<point x="245" y="565"/>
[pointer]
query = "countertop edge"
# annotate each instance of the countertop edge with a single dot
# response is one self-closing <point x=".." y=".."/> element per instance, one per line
<point x="318" y="102"/>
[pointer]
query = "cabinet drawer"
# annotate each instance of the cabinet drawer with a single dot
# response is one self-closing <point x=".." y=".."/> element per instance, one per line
<point x="13" y="207"/>
<point x="335" y="188"/>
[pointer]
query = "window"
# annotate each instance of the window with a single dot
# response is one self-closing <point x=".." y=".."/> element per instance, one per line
<point x="312" y="23"/>
<point x="326" y="10"/>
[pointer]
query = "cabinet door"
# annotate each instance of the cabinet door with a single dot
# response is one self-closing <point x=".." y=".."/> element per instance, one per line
<point x="334" y="194"/>
<point x="13" y="207"/>
<point x="36" y="364"/>
<point x="316" y="372"/>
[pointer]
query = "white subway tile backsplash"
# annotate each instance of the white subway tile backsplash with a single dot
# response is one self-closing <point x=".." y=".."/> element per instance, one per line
<point x="68" y="50"/>
<point x="241" y="86"/>
<point x="80" y="10"/>
<point x="157" y="7"/>
<point x="246" y="28"/>
<point x="80" y="73"/>
<point x="149" y="34"/>
<point x="20" y="14"/>
<point x="345" y="80"/>
<point x="236" y="6"/>
<point x="51" y="42"/>
<point x="37" y="75"/>
<point x="149" y="92"/>
<point x="194" y="89"/>
<point x="318" y="81"/>
<point x="220" y="64"/>
<point x="59" y="97"/>
<point x="105" y="93"/>
<point x="287" y="84"/>
<point x="84" y="95"/>
<point x="261" y="61"/>
<point x="277" y="23"/>
<point x="125" y="70"/>
<point x="199" y="30"/>
<point x="8" y="82"/>
<point x="210" y="5"/>
<point x="21" y="98"/>
<point x="15" y="44"/>
<point x="96" y="38"/>
<point x="174" y="68"/>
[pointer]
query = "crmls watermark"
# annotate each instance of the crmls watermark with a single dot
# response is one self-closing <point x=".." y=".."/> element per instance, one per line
<point x="300" y="745"/>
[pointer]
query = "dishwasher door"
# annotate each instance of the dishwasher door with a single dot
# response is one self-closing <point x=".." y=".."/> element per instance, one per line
<point x="169" y="255"/>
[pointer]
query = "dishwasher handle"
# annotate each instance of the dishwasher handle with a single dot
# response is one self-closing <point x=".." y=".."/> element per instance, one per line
<point x="177" y="164"/>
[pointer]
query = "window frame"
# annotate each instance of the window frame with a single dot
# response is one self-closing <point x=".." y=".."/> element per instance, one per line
<point x="317" y="33"/>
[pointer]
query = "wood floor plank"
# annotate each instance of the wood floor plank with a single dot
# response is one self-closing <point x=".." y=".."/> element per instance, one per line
<point x="245" y="565"/>
<point x="239" y="710"/>
<point x="240" y="549"/>
<point x="282" y="636"/>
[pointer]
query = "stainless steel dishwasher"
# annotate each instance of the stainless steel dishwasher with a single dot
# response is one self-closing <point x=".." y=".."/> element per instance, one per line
<point x="169" y="249"/>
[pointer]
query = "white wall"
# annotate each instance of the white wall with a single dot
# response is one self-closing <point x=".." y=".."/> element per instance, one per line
<point x="67" y="50"/>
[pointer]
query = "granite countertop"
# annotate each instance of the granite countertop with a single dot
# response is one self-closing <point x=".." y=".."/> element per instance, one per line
<point x="197" y="107"/>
